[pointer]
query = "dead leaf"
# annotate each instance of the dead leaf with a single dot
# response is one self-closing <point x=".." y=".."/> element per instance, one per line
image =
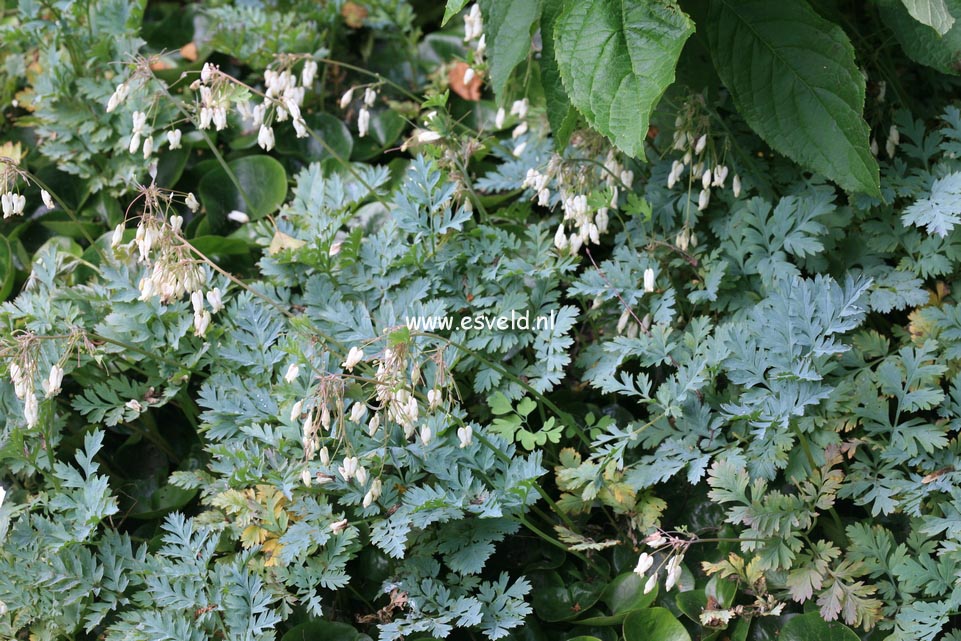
<point x="469" y="91"/>
<point x="189" y="52"/>
<point x="353" y="14"/>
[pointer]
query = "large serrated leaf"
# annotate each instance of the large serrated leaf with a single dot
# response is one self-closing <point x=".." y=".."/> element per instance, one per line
<point x="507" y="24"/>
<point x="616" y="58"/>
<point x="794" y="80"/>
<point x="560" y="113"/>
<point x="933" y="13"/>
<point x="943" y="54"/>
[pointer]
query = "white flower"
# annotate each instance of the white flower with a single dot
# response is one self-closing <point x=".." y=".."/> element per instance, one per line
<point x="134" y="143"/>
<point x="265" y="137"/>
<point x="720" y="175"/>
<point x="648" y="280"/>
<point x="373" y="424"/>
<point x="338" y="526"/>
<point x="7" y="204"/>
<point x="434" y="398"/>
<point x="894" y="139"/>
<point x="134" y="404"/>
<point x="215" y="300"/>
<point x="736" y="185"/>
<point x="191" y="202"/>
<point x="622" y="320"/>
<point x="655" y="540"/>
<point x="425" y="136"/>
<point x="468" y="75"/>
<point x="673" y="572"/>
<point x="139" y="123"/>
<point x="300" y="126"/>
<point x="118" y="96"/>
<point x="357" y="412"/>
<point x="305" y="477"/>
<point x="706" y="179"/>
<point x="363" y="122"/>
<point x="519" y="108"/>
<point x="51" y="386"/>
<point x="465" y="435"/>
<point x="308" y="73"/>
<point x="519" y="149"/>
<point x="238" y="217"/>
<point x="560" y="238"/>
<point x="324" y="455"/>
<point x="201" y="323"/>
<point x="147" y="147"/>
<point x="220" y="118"/>
<point x="206" y="115"/>
<point x="117" y="237"/>
<point x="361" y="475"/>
<point x="325" y="418"/>
<point x="354" y="356"/>
<point x="346" y="98"/>
<point x="176" y="223"/>
<point x="173" y="138"/>
<point x="197" y="300"/>
<point x="31" y="410"/>
<point x="349" y="468"/>
<point x="295" y="410"/>
<point x="703" y="199"/>
<point x="3" y="494"/>
<point x="369" y="96"/>
<point x="651" y="582"/>
<point x="47" y="200"/>
<point x="293" y="371"/>
<point x="373" y="493"/>
<point x="499" y="118"/>
<point x="644" y="563"/>
<point x="700" y="144"/>
<point x="426" y="434"/>
<point x="519" y="130"/>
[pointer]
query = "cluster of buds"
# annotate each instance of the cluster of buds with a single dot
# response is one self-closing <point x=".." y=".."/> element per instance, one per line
<point x="572" y="183"/>
<point x="139" y="129"/>
<point x="675" y="546"/>
<point x="474" y="33"/>
<point x="691" y="137"/>
<point x="363" y="116"/>
<point x="22" y="374"/>
<point x="203" y="316"/>
<point x="12" y="203"/>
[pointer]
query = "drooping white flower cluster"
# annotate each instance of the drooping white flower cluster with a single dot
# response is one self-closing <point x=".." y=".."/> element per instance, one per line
<point x="363" y="116"/>
<point x="675" y="548"/>
<point x="22" y="376"/>
<point x="699" y="160"/>
<point x="568" y="184"/>
<point x="474" y="33"/>
<point x="11" y="201"/>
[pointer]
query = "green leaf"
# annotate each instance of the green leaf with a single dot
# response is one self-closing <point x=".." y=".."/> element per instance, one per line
<point x="793" y="77"/>
<point x="507" y="24"/>
<point x="6" y="268"/>
<point x="321" y="631"/>
<point x="623" y="595"/>
<point x="811" y="626"/>
<point x="264" y="184"/>
<point x="943" y="54"/>
<point x="616" y="58"/>
<point x="656" y="624"/>
<point x="933" y="13"/>
<point x="453" y="8"/>
<point x="499" y="404"/>
<point x="560" y="113"/>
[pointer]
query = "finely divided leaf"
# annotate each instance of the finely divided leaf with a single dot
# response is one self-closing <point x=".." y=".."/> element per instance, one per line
<point x="616" y="58"/>
<point x="939" y="212"/>
<point x="793" y="77"/>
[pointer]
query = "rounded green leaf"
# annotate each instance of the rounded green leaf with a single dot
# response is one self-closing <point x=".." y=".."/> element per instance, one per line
<point x="263" y="188"/>
<point x="806" y="627"/>
<point x="616" y="58"/>
<point x="321" y="631"/>
<point x="655" y="624"/>
<point x="793" y="78"/>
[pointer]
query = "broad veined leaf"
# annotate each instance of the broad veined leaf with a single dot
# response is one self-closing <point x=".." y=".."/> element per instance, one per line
<point x="452" y="9"/>
<point x="507" y="24"/>
<point x="264" y="184"/>
<point x="655" y="624"/>
<point x="943" y="54"/>
<point x="793" y="77"/>
<point x="933" y="13"/>
<point x="811" y="626"/>
<point x="560" y="113"/>
<point x="616" y="58"/>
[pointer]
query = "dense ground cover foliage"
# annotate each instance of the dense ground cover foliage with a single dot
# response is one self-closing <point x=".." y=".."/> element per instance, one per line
<point x="739" y="420"/>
